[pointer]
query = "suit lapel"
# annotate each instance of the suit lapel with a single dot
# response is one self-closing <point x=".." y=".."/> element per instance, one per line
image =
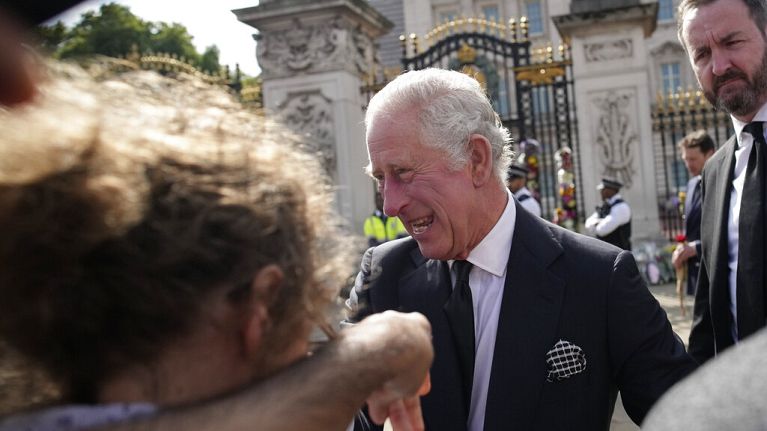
<point x="527" y="324"/>
<point x="714" y="219"/>
<point x="426" y="290"/>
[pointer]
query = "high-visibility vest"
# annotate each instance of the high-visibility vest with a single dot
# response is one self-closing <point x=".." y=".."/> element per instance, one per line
<point x="394" y="228"/>
<point x="381" y="231"/>
<point x="374" y="228"/>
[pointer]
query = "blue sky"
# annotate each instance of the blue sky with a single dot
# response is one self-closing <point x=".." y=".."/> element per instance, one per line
<point x="210" y="22"/>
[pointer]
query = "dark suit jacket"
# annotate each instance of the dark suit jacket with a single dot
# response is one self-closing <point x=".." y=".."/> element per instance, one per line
<point x="711" y="330"/>
<point x="559" y="285"/>
<point x="692" y="215"/>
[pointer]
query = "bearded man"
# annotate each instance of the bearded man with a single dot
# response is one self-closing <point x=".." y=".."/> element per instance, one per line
<point x="726" y="42"/>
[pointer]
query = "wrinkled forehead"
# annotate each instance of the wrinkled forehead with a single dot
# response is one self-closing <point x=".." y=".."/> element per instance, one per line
<point x="693" y="26"/>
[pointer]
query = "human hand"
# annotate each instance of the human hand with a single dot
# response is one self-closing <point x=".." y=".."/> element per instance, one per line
<point x="404" y="414"/>
<point x="682" y="253"/>
<point x="401" y="346"/>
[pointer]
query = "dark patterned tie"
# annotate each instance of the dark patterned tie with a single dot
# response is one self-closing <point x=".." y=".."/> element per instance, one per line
<point x="460" y="315"/>
<point x="750" y="276"/>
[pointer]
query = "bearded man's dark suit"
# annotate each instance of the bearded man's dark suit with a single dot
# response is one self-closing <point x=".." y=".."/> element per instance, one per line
<point x="559" y="286"/>
<point x="712" y="322"/>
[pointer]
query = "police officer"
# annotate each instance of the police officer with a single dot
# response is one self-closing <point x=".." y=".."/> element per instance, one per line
<point x="611" y="222"/>
<point x="517" y="183"/>
<point x="379" y="228"/>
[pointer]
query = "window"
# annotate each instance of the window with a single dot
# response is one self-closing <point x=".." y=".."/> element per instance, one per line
<point x="534" y="17"/>
<point x="540" y="100"/>
<point x="501" y="100"/>
<point x="447" y="15"/>
<point x="490" y="12"/>
<point x="665" y="10"/>
<point x="669" y="73"/>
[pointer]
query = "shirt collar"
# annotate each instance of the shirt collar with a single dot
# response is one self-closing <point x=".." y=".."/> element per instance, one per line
<point x="522" y="191"/>
<point x="737" y="125"/>
<point x="492" y="253"/>
<point x="614" y="198"/>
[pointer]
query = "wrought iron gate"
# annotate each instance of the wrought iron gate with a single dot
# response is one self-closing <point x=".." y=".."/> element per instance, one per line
<point x="674" y="116"/>
<point x="531" y="89"/>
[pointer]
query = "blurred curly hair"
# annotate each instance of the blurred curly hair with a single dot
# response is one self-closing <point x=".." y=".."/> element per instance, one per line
<point x="124" y="202"/>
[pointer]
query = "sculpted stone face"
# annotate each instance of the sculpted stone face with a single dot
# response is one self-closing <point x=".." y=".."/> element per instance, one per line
<point x="727" y="54"/>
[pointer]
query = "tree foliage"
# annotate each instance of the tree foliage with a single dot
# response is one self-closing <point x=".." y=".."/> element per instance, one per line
<point x="209" y="60"/>
<point x="114" y="30"/>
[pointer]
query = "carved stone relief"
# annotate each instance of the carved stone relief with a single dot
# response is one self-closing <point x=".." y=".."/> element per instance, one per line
<point x="616" y="136"/>
<point x="311" y="114"/>
<point x="612" y="50"/>
<point x="668" y="49"/>
<point x="316" y="47"/>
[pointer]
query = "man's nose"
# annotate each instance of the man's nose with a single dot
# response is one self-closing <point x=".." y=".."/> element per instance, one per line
<point x="394" y="199"/>
<point x="720" y="63"/>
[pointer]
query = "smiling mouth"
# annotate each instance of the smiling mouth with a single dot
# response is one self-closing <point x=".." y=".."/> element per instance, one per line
<point x="421" y="225"/>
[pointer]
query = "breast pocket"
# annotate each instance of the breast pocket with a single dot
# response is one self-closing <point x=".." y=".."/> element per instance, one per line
<point x="562" y="405"/>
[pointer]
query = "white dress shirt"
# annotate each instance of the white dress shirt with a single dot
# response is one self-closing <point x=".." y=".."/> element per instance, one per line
<point x="530" y="203"/>
<point x="620" y="214"/>
<point x="745" y="141"/>
<point x="486" y="279"/>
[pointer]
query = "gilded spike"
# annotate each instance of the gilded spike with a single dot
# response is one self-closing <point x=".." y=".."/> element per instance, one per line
<point x="501" y="29"/>
<point x="523" y="28"/>
<point x="414" y="40"/>
<point x="512" y="30"/>
<point x="462" y="24"/>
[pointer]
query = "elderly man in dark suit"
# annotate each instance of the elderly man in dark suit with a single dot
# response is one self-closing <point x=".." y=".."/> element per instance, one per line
<point x="695" y="149"/>
<point x="534" y="327"/>
<point x="726" y="41"/>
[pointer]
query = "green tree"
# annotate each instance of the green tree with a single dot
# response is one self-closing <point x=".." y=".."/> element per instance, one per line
<point x="111" y="31"/>
<point x="209" y="61"/>
<point x="174" y="39"/>
<point x="51" y="38"/>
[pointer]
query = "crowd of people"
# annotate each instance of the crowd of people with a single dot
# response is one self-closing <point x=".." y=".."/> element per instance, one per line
<point x="162" y="263"/>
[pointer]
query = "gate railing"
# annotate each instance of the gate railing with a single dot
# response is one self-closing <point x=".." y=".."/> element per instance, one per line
<point x="674" y="116"/>
<point x="531" y="88"/>
<point x="248" y="92"/>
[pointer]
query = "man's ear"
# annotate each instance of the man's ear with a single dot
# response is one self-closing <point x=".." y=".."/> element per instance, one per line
<point x="257" y="322"/>
<point x="481" y="159"/>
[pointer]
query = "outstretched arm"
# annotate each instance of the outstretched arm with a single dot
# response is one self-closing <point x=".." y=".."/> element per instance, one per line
<point x="388" y="353"/>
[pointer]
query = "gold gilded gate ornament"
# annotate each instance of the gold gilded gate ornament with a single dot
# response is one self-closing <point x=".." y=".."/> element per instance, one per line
<point x="466" y="56"/>
<point x="540" y="73"/>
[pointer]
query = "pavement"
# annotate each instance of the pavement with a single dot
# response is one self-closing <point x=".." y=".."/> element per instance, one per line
<point x="667" y="297"/>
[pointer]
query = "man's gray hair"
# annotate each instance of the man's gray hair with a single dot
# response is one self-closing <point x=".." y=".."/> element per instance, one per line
<point x="757" y="9"/>
<point x="450" y="107"/>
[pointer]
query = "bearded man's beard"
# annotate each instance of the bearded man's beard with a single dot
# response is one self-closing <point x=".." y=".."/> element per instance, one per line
<point x="748" y="99"/>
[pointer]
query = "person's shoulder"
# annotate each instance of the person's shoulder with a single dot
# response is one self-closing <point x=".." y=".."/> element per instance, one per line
<point x="395" y="247"/>
<point x="397" y="253"/>
<point x="721" y="154"/>
<point x="584" y="248"/>
<point x="725" y="393"/>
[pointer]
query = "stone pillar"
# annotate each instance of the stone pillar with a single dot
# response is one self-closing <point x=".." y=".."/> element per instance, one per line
<point x="613" y="99"/>
<point x="314" y="55"/>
